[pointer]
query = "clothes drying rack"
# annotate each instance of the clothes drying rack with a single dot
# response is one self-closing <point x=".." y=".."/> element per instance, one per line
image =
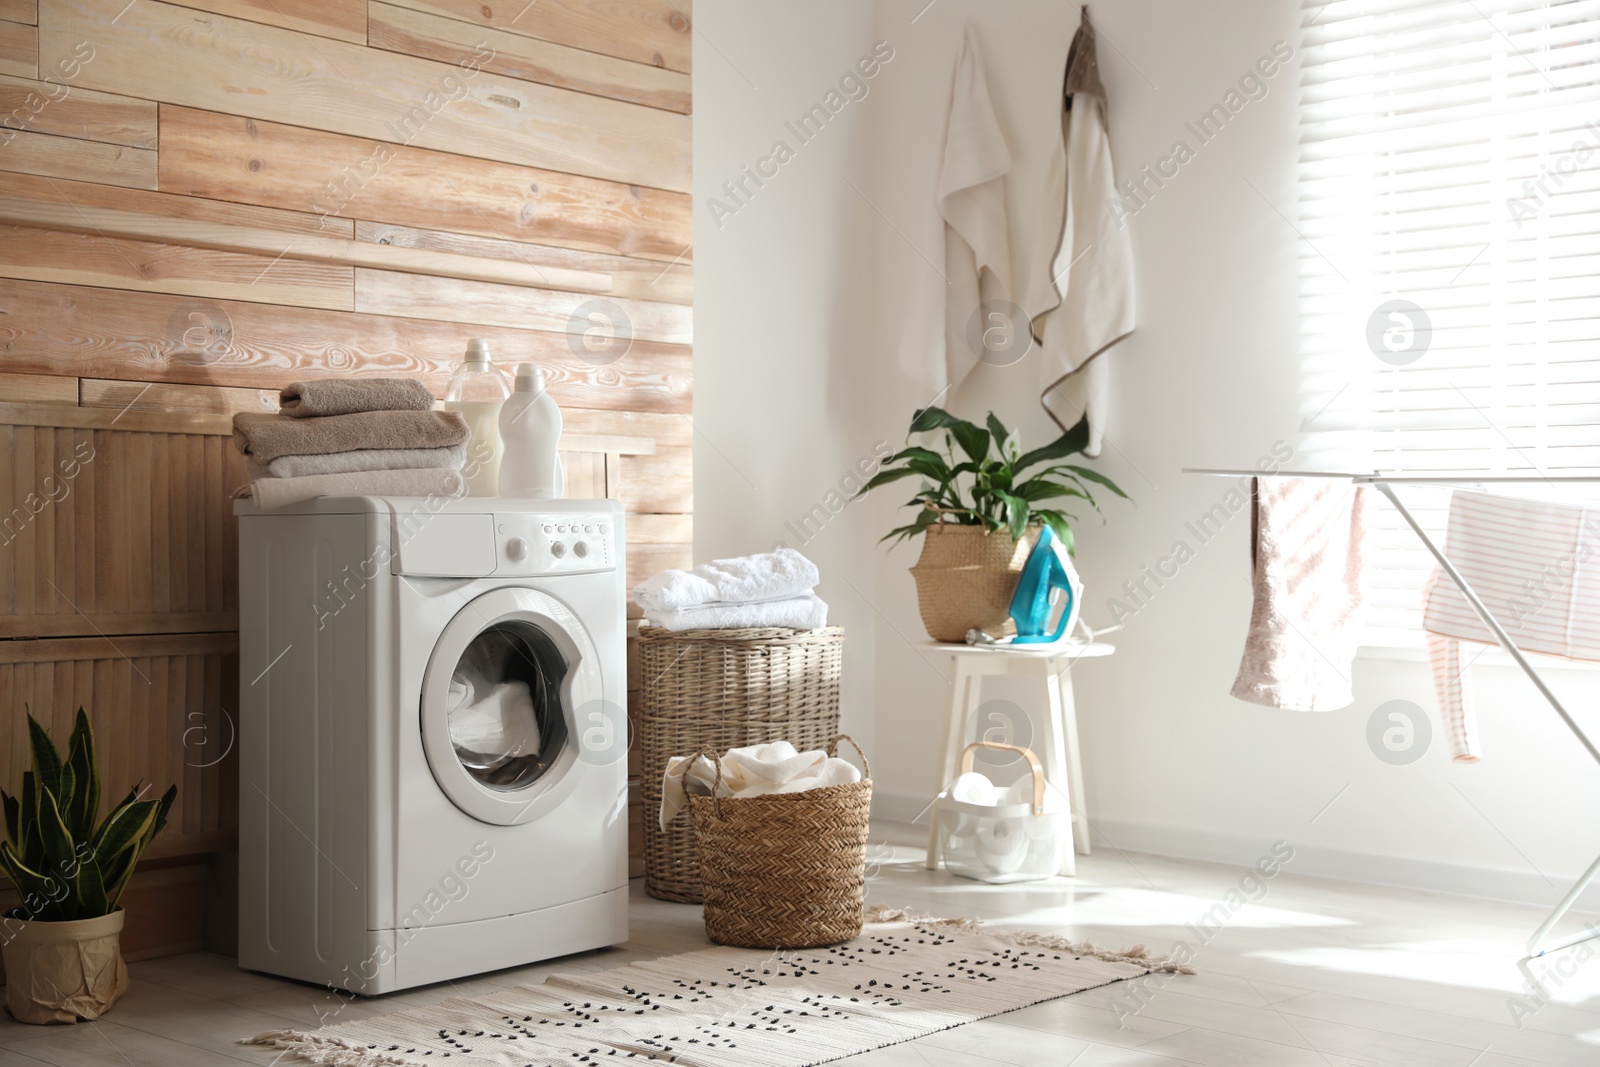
<point x="1385" y="484"/>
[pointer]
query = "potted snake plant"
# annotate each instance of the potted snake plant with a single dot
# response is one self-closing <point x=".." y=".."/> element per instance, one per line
<point x="981" y="505"/>
<point x="62" y="946"/>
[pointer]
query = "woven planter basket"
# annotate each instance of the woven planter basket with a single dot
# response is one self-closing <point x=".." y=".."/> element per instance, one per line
<point x="712" y="690"/>
<point x="786" y="870"/>
<point x="965" y="578"/>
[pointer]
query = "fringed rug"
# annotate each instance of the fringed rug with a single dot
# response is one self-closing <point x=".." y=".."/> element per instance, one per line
<point x="901" y="979"/>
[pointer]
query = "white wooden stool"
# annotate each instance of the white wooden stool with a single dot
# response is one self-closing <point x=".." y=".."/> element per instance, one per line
<point x="1057" y="745"/>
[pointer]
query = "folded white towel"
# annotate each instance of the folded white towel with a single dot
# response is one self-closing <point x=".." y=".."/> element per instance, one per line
<point x="756" y="770"/>
<point x="743" y="579"/>
<point x="453" y="457"/>
<point x="271" y="493"/>
<point x="805" y="612"/>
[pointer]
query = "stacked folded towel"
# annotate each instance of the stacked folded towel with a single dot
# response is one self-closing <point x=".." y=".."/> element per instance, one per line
<point x="340" y="437"/>
<point x="767" y="589"/>
<point x="757" y="770"/>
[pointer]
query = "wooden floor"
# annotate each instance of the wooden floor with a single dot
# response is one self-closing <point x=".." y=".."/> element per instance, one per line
<point x="1326" y="974"/>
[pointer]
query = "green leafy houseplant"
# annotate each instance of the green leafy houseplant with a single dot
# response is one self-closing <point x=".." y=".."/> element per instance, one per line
<point x="988" y="485"/>
<point x="64" y="865"/>
<point x="70" y="868"/>
<point x="981" y="505"/>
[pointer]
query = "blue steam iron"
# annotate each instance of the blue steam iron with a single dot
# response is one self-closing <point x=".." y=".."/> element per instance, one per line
<point x="1049" y="569"/>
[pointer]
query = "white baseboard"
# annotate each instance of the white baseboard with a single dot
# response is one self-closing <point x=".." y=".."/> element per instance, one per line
<point x="1214" y="846"/>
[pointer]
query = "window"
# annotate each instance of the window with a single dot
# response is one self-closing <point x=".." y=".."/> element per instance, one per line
<point x="1449" y="200"/>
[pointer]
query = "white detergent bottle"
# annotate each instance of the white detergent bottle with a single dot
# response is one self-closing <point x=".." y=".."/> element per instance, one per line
<point x="478" y="390"/>
<point x="530" y="426"/>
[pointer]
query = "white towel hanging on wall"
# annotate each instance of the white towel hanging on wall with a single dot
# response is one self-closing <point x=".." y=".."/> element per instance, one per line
<point x="969" y="254"/>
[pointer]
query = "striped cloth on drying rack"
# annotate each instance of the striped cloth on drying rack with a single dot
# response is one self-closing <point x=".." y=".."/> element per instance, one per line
<point x="1536" y="567"/>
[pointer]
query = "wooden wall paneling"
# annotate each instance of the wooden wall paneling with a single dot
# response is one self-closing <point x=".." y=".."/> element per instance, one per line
<point x="663" y="482"/>
<point x="421" y="296"/>
<point x="48" y="211"/>
<point x="418" y="33"/>
<point x="70" y="157"/>
<point x="248" y="161"/>
<point x="664" y="428"/>
<point x="161" y="209"/>
<point x="144" y="396"/>
<point x="641" y="279"/>
<point x="35" y="388"/>
<point x="26" y="11"/>
<point x="341" y="20"/>
<point x="19" y="49"/>
<point x="69" y="111"/>
<point x="155" y="51"/>
<point x="646" y="31"/>
<point x="585" y="475"/>
<point x="53" y="511"/>
<point x="146" y="266"/>
<point x="138" y="729"/>
<point x="109" y="333"/>
<point x="660" y="529"/>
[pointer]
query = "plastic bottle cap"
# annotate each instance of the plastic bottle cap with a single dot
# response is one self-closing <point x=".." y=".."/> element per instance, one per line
<point x="530" y="378"/>
<point x="477" y="351"/>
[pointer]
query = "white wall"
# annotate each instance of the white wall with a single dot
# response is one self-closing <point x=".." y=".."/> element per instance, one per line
<point x="799" y="303"/>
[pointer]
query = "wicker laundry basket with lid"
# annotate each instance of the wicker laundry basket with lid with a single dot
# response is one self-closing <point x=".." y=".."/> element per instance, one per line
<point x="712" y="690"/>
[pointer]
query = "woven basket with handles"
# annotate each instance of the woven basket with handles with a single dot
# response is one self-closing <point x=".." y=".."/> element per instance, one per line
<point x="965" y="578"/>
<point x="785" y="870"/>
<point x="712" y="690"/>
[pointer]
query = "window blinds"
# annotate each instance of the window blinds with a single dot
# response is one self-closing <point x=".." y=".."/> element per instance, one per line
<point x="1449" y="204"/>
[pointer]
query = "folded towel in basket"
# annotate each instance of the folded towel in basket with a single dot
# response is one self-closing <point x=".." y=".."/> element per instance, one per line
<point x="344" y="396"/>
<point x="742" y="579"/>
<point x="805" y="612"/>
<point x="364" y="459"/>
<point x="271" y="493"/>
<point x="756" y="770"/>
<point x="266" y="437"/>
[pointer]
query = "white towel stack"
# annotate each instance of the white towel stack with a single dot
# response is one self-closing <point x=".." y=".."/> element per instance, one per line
<point x="767" y="589"/>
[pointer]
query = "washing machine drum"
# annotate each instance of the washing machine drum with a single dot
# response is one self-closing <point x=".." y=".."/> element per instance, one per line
<point x="505" y="688"/>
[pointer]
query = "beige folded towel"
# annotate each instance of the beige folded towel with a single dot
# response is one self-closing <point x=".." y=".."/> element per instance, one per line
<point x="266" y="437"/>
<point x="366" y="459"/>
<point x="346" y="396"/>
<point x="429" y="482"/>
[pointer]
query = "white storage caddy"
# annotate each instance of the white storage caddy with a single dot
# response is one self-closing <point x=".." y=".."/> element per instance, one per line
<point x="1001" y="843"/>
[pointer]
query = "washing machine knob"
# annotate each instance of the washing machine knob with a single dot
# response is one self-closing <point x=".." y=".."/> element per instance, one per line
<point x="558" y="550"/>
<point x="517" y="549"/>
<point x="580" y="549"/>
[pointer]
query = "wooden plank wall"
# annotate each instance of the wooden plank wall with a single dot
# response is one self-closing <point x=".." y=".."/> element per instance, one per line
<point x="202" y="203"/>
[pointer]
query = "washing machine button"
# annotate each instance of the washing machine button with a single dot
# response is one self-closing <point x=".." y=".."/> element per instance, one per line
<point x="517" y="549"/>
<point x="580" y="549"/>
<point x="557" y="549"/>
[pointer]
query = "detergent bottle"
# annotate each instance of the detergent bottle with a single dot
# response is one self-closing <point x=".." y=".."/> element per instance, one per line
<point x="530" y="426"/>
<point x="477" y="390"/>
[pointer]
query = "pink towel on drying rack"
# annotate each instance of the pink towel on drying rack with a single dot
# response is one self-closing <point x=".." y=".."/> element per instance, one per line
<point x="1306" y="542"/>
<point x="1534" y="565"/>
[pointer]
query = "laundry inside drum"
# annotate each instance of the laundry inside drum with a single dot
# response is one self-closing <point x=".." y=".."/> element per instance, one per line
<point x="504" y="706"/>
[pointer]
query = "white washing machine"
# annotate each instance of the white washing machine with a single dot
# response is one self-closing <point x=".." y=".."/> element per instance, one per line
<point x="433" y="737"/>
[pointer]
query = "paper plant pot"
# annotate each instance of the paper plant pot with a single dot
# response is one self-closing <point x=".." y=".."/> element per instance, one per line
<point x="60" y="972"/>
<point x="965" y="578"/>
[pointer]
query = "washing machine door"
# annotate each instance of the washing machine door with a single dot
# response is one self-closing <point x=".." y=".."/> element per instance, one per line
<point x="505" y="691"/>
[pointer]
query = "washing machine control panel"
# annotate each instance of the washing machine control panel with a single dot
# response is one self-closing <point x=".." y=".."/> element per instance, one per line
<point x="546" y="544"/>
